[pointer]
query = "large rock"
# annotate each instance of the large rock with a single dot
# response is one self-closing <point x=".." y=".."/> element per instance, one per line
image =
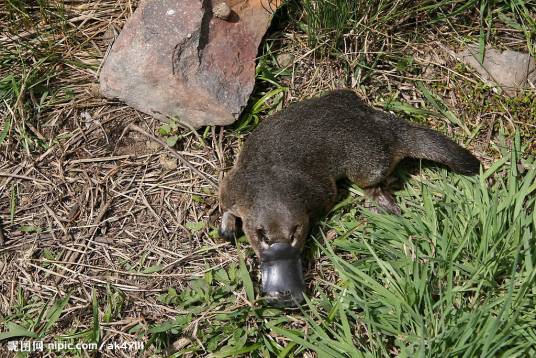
<point x="176" y="58"/>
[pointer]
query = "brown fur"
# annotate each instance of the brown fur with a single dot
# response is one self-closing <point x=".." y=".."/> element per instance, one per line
<point x="286" y="174"/>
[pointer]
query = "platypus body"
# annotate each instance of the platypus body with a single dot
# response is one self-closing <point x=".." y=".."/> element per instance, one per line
<point x="286" y="176"/>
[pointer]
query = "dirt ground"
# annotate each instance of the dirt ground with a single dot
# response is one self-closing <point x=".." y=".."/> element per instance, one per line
<point x="95" y="208"/>
<point x="100" y="208"/>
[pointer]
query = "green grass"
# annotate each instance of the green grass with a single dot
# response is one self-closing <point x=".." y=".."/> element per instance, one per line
<point x="40" y="49"/>
<point x="327" y="21"/>
<point x="453" y="276"/>
<point x="268" y="94"/>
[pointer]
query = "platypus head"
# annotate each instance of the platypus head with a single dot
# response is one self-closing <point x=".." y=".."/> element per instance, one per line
<point x="277" y="233"/>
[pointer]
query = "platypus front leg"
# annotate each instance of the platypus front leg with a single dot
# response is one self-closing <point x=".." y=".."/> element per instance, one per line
<point x="228" y="226"/>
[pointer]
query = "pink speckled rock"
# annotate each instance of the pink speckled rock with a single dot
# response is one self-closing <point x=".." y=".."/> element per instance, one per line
<point x="175" y="59"/>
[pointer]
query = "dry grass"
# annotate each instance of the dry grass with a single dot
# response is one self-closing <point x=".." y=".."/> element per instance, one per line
<point x="89" y="207"/>
<point x="386" y="67"/>
<point x="85" y="206"/>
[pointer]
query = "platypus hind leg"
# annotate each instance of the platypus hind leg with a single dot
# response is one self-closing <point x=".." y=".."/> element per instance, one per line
<point x="384" y="198"/>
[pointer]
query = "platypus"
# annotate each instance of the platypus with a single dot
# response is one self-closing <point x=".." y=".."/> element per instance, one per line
<point x="286" y="175"/>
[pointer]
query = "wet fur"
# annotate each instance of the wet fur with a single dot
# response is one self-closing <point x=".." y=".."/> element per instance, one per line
<point x="286" y="174"/>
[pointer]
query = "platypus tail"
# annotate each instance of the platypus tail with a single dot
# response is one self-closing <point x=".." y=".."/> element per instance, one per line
<point x="425" y="143"/>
